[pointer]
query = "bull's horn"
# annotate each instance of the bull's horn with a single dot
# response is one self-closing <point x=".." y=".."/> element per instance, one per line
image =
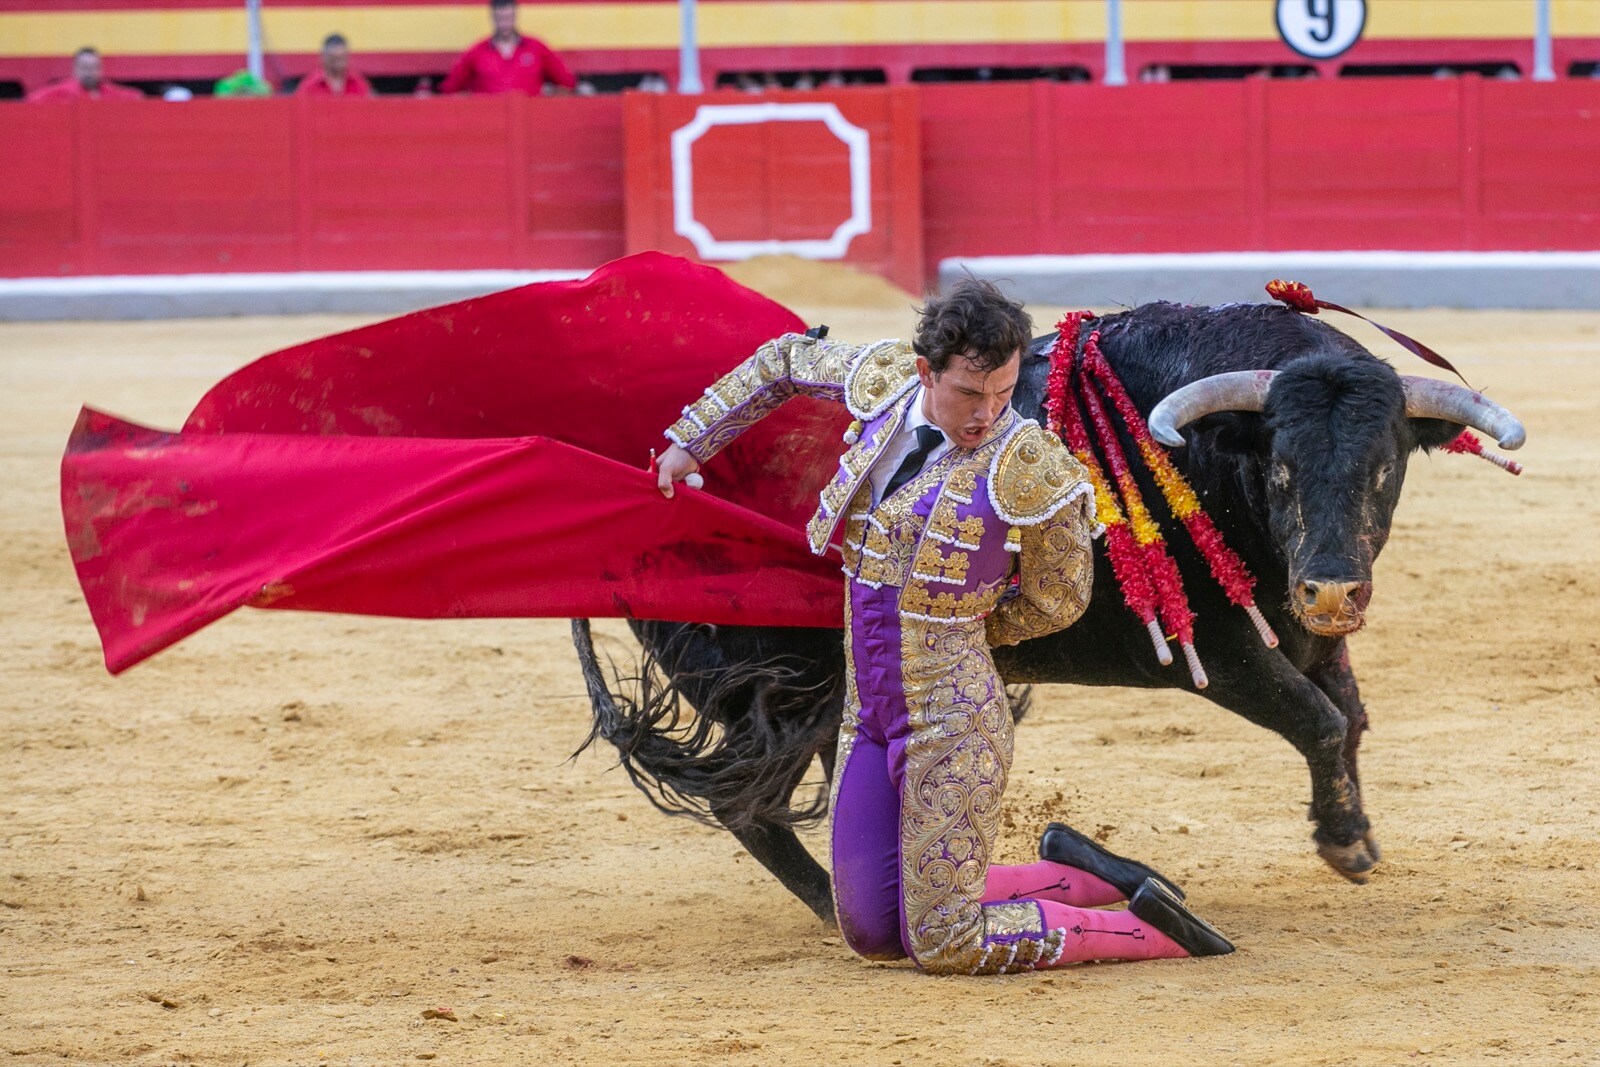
<point x="1430" y="398"/>
<point x="1239" y="390"/>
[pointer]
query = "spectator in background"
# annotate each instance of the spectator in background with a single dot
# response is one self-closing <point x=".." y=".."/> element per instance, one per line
<point x="87" y="82"/>
<point x="507" y="61"/>
<point x="335" y="78"/>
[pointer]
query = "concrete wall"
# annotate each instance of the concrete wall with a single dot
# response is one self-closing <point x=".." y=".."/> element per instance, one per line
<point x="1366" y="279"/>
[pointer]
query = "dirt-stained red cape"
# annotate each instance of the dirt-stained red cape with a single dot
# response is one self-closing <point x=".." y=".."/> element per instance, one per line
<point x="481" y="459"/>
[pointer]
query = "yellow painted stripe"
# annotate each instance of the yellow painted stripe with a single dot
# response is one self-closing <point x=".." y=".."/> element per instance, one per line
<point x="1190" y="20"/>
<point x="1450" y="19"/>
<point x="1575" y="18"/>
<point x="143" y="33"/>
<point x="750" y="23"/>
<point x="820" y="22"/>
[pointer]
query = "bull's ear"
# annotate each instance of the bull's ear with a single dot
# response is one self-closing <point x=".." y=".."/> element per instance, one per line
<point x="1429" y="434"/>
<point x="1235" y="431"/>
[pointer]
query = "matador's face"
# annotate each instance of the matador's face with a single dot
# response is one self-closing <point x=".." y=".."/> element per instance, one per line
<point x="963" y="401"/>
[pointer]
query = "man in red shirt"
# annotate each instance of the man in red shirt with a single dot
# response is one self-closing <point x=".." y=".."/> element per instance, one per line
<point x="335" y="78"/>
<point x="507" y="61"/>
<point x="87" y="82"/>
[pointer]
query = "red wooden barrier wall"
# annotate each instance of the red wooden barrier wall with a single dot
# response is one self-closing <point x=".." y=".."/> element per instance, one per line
<point x="283" y="184"/>
<point x="1228" y="166"/>
<point x="773" y="179"/>
<point x="113" y="187"/>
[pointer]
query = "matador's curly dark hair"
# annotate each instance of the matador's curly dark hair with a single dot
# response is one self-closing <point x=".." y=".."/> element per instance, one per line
<point x="974" y="319"/>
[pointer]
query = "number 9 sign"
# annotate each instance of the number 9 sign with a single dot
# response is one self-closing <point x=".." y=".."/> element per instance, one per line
<point x="1321" y="29"/>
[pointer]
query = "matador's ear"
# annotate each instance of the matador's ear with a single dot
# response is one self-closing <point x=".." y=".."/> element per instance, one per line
<point x="817" y="333"/>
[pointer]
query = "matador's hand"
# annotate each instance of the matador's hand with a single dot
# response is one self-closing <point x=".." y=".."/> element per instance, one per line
<point x="676" y="465"/>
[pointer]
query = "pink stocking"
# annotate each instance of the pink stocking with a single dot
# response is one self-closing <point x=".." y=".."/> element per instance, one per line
<point x="1106" y="935"/>
<point x="1050" y="881"/>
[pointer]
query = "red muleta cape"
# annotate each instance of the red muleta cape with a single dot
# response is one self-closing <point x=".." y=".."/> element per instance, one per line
<point x="482" y="459"/>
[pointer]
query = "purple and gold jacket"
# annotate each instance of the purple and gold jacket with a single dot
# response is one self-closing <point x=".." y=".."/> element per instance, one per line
<point x="946" y="539"/>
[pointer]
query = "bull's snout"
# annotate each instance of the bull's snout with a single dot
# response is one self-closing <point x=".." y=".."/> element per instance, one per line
<point x="1332" y="608"/>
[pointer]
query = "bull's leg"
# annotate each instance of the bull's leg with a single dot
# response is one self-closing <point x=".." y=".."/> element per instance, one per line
<point x="776" y="847"/>
<point x="1337" y="681"/>
<point x="1267" y="690"/>
<point x="719" y="672"/>
<point x="778" y="850"/>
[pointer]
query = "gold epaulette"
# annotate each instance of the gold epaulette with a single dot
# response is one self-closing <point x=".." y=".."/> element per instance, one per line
<point x="882" y="374"/>
<point x="1033" y="476"/>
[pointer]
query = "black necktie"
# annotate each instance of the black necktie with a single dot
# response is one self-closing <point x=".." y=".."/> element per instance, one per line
<point x="928" y="439"/>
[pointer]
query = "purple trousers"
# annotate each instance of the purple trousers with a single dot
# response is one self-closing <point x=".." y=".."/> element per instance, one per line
<point x="923" y="758"/>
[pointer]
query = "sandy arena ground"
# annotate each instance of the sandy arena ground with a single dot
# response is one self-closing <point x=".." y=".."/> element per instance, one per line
<point x="286" y="839"/>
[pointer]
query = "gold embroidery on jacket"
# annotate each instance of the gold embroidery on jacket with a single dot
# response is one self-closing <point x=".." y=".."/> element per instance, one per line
<point x="969" y="532"/>
<point x="791" y="365"/>
<point x="918" y="603"/>
<point x="890" y="568"/>
<point x="963" y="482"/>
<point x="855" y="464"/>
<point x="965" y="533"/>
<point x="1056" y="576"/>
<point x="884" y="373"/>
<point x="934" y="565"/>
<point x="924" y="557"/>
<point x="1033" y="476"/>
<point x="876" y="542"/>
<point x="942" y="521"/>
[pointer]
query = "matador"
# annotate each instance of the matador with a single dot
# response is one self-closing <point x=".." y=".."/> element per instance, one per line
<point x="961" y="525"/>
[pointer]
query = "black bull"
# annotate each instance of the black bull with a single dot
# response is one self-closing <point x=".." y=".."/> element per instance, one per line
<point x="1303" y="487"/>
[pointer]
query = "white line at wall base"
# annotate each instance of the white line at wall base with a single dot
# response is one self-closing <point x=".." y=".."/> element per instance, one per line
<point x="165" y="296"/>
<point x="1368" y="279"/>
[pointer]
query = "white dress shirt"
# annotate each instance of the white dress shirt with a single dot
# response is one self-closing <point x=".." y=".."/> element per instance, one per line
<point x="902" y="444"/>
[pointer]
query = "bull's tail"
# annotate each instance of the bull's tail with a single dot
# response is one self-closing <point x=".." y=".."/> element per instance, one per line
<point x="721" y="743"/>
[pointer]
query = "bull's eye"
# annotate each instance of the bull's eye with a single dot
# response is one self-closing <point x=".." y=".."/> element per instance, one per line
<point x="1280" y="475"/>
<point x="1383" y="475"/>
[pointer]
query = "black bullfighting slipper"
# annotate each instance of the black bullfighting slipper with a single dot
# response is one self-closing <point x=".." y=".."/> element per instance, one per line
<point x="1152" y="903"/>
<point x="1060" y="843"/>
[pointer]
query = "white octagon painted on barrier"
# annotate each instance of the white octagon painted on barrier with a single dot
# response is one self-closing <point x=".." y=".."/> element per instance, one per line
<point x="706" y="116"/>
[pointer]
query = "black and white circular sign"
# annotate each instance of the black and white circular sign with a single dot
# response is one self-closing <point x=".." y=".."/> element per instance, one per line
<point x="1321" y="29"/>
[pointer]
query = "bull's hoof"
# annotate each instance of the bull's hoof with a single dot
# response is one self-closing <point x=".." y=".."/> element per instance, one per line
<point x="1353" y="861"/>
